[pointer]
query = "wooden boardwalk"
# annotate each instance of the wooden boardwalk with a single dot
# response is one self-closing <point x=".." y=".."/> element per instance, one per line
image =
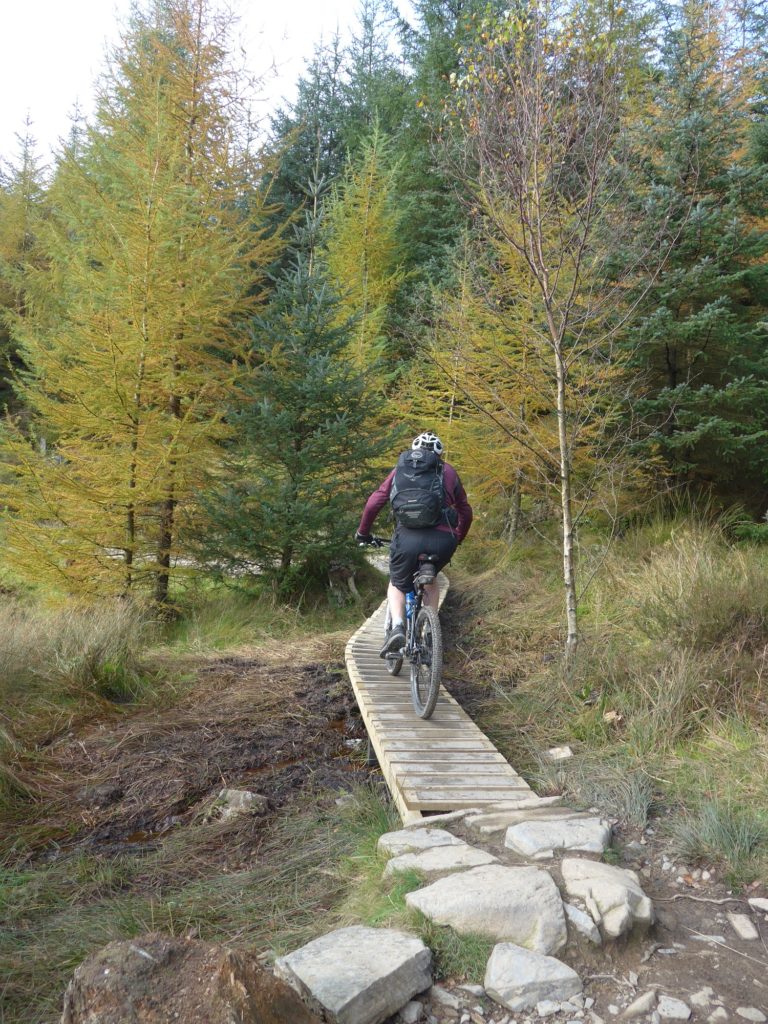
<point x="443" y="764"/>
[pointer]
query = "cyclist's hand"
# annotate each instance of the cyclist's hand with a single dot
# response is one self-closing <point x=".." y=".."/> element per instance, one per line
<point x="363" y="538"/>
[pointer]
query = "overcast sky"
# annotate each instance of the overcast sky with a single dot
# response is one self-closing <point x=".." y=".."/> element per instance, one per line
<point x="52" y="50"/>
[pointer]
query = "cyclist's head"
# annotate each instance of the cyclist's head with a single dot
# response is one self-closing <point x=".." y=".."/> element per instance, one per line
<point x="428" y="442"/>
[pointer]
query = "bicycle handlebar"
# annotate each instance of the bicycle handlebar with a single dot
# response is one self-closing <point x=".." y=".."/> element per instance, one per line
<point x="374" y="542"/>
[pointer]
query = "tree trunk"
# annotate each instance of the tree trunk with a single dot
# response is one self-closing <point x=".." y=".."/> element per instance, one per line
<point x="569" y="567"/>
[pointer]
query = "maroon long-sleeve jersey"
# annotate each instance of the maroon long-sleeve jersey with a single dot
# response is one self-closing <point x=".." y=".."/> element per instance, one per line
<point x="455" y="496"/>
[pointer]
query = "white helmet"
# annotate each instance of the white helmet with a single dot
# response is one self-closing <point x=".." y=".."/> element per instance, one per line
<point x="429" y="442"/>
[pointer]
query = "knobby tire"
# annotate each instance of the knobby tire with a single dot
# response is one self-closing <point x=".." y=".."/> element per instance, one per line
<point x="426" y="662"/>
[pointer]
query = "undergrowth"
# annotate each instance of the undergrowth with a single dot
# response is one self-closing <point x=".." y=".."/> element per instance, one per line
<point x="666" y="704"/>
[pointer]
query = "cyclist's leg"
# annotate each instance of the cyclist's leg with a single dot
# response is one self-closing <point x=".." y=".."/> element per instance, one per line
<point x="441" y="545"/>
<point x="396" y="601"/>
<point x="432" y="595"/>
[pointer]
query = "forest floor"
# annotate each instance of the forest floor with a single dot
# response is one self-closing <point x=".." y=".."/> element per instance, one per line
<point x="123" y="835"/>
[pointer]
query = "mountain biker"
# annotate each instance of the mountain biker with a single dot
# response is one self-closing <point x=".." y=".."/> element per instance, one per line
<point x="439" y="540"/>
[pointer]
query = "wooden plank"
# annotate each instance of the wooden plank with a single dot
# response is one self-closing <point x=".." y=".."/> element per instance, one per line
<point x="461" y="760"/>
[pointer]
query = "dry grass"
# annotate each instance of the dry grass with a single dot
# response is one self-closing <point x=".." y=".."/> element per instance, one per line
<point x="672" y="668"/>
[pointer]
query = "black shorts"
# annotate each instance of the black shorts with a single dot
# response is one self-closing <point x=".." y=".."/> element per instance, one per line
<point x="406" y="547"/>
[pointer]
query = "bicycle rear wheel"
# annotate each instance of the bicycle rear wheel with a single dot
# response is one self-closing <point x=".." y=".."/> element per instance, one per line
<point x="426" y="662"/>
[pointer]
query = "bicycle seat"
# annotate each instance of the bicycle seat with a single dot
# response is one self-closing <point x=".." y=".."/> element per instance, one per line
<point x="426" y="573"/>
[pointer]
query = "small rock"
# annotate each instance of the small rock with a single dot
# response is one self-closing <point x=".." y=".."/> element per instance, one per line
<point x="232" y="802"/>
<point x="751" y="1013"/>
<point x="633" y="979"/>
<point x="640" y="1006"/>
<point x="589" y="1002"/>
<point x="718" y="1015"/>
<point x="613" y="1009"/>
<point x="758" y="903"/>
<point x="546" y="1007"/>
<point x="559" y="753"/>
<point x="441" y="995"/>
<point x="743" y="926"/>
<point x="474" y="990"/>
<point x="411" y="1012"/>
<point x="583" y="923"/>
<point x="705" y="876"/>
<point x="717" y="939"/>
<point x="670" y="1008"/>
<point x="655" y="1017"/>
<point x="703" y="997"/>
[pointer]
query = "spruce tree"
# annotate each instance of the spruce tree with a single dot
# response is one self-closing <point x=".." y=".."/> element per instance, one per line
<point x="286" y="503"/>
<point x="702" y="339"/>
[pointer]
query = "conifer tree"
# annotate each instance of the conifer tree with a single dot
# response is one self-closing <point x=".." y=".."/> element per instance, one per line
<point x="286" y="502"/>
<point x="22" y="193"/>
<point x="362" y="249"/>
<point x="702" y="341"/>
<point x="132" y="326"/>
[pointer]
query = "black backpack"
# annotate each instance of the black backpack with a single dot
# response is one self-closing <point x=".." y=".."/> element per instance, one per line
<point x="417" y="494"/>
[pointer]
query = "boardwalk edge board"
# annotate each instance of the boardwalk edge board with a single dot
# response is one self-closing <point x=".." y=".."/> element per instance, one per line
<point x="417" y="757"/>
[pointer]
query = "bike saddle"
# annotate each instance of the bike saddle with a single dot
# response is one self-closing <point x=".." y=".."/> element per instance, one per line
<point x="426" y="573"/>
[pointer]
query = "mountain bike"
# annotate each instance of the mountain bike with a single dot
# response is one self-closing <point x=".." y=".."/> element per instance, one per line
<point x="423" y="639"/>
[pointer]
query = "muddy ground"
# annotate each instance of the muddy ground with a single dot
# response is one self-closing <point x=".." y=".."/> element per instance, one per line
<point x="126" y="783"/>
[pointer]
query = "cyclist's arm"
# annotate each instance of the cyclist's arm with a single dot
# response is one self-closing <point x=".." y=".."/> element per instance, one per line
<point x="457" y="497"/>
<point x="375" y="504"/>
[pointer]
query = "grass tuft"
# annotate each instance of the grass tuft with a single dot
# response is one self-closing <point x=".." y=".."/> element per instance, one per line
<point x="719" y="833"/>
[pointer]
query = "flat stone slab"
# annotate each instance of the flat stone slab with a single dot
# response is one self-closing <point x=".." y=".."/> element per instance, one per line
<point x="612" y="895"/>
<point x="540" y="839"/>
<point x="358" y="975"/>
<point x="519" y="978"/>
<point x="743" y="925"/>
<point x="411" y="840"/>
<point x="490" y="821"/>
<point x="508" y="904"/>
<point x="440" y="860"/>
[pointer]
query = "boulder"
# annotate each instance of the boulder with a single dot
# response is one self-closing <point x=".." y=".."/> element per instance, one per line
<point x="359" y="975"/>
<point x="440" y="860"/>
<point x="540" y="839"/>
<point x="412" y="840"/>
<point x="612" y="895"/>
<point x="156" y="979"/>
<point x="507" y="904"/>
<point x="520" y="979"/>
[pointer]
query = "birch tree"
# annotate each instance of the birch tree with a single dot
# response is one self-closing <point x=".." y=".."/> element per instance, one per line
<point x="543" y="105"/>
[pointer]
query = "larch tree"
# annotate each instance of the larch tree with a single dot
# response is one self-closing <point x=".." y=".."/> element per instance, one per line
<point x="154" y="254"/>
<point x="542" y="105"/>
<point x="362" y="249"/>
<point x="22" y="196"/>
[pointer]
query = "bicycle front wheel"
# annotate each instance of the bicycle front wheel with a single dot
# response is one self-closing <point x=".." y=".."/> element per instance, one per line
<point x="426" y="662"/>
